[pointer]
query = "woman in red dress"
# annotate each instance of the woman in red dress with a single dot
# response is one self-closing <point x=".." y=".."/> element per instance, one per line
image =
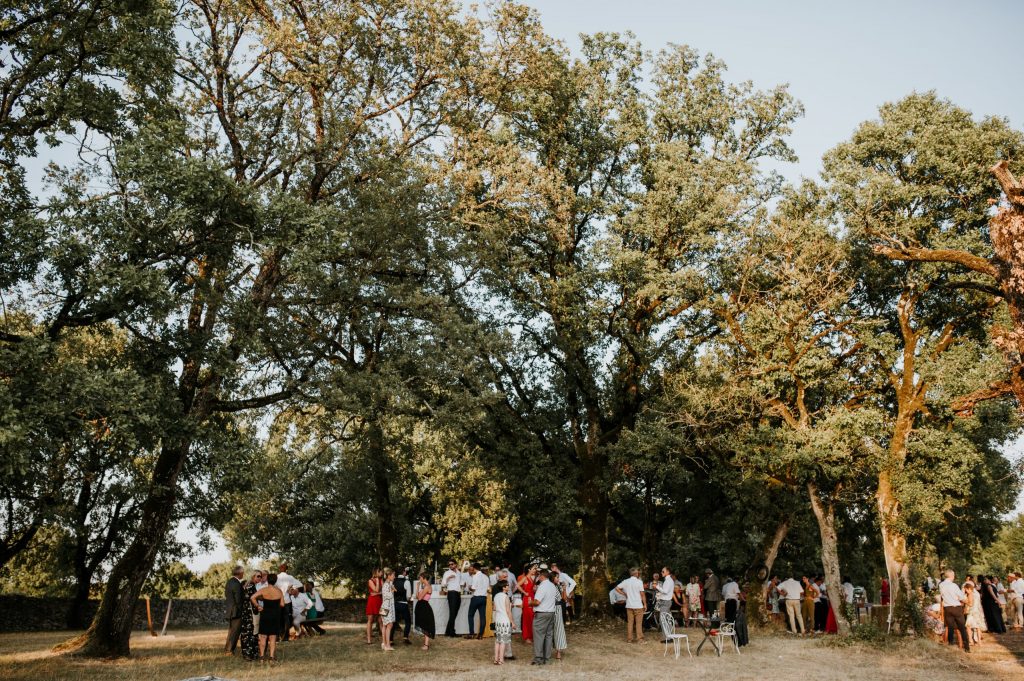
<point x="373" y="602"/>
<point x="526" y="585"/>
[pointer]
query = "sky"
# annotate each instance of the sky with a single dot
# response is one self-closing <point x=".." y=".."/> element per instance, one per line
<point x="841" y="60"/>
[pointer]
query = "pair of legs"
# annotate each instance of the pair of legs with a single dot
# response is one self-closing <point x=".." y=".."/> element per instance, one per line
<point x="286" y="622"/>
<point x="634" y="624"/>
<point x="268" y="646"/>
<point x="502" y="643"/>
<point x="404" y="618"/>
<point x="794" y="615"/>
<point x="234" y="631"/>
<point x="385" y="642"/>
<point x="477" y="604"/>
<point x="454" y="601"/>
<point x="807" y="610"/>
<point x="1015" y="612"/>
<point x="956" y="623"/>
<point x="370" y="621"/>
<point x="543" y="636"/>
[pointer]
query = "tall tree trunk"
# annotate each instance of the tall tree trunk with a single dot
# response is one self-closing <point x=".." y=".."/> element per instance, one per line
<point x="76" y="618"/>
<point x="769" y="554"/>
<point x="112" y="626"/>
<point x="894" y="546"/>
<point x="825" y="513"/>
<point x="595" y="507"/>
<point x="649" y="539"/>
<point x="387" y="534"/>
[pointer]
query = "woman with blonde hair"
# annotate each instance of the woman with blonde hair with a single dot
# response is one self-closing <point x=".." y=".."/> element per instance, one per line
<point x="387" y="608"/>
<point x="374" y="599"/>
<point x="975" y="615"/>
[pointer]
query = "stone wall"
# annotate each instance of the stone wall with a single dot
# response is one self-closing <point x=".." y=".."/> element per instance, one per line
<point x="21" y="613"/>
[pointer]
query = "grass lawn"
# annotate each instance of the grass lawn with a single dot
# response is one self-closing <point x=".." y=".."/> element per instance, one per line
<point x="594" y="652"/>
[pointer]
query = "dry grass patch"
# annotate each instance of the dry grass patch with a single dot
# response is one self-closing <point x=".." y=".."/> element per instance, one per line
<point x="593" y="652"/>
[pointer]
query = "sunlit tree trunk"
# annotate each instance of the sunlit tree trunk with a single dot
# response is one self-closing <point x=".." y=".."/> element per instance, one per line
<point x="825" y="513"/>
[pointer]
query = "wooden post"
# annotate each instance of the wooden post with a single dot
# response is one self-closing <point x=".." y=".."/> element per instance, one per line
<point x="149" y="617"/>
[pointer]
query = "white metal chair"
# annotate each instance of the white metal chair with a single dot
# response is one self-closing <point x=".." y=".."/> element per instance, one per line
<point x="728" y="630"/>
<point x="668" y="628"/>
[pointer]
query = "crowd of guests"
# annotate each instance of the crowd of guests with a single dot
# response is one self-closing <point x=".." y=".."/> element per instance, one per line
<point x="644" y="604"/>
<point x="981" y="604"/>
<point x="267" y="609"/>
<point x="537" y="605"/>
<point x="802" y="603"/>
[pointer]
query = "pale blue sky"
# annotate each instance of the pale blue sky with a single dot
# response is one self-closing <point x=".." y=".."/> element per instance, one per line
<point x="842" y="60"/>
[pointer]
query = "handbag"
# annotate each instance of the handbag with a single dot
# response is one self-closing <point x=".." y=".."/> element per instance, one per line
<point x="384" y="611"/>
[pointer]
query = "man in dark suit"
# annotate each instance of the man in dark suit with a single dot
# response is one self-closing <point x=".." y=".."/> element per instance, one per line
<point x="233" y="594"/>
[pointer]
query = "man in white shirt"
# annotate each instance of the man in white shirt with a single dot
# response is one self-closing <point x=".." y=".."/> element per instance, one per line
<point x="953" y="600"/>
<point x="451" y="582"/>
<point x="479" y="587"/>
<point x="301" y="604"/>
<point x="791" y="590"/>
<point x="545" y="600"/>
<point x="318" y="605"/>
<point x="731" y="594"/>
<point x="847" y="591"/>
<point x="666" y="589"/>
<point x="1016" y="597"/>
<point x="632" y="589"/>
<point x="284" y="583"/>
<point x="569" y="586"/>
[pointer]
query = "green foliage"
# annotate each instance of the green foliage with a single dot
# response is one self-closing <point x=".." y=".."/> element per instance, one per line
<point x="174" y="580"/>
<point x="1005" y="553"/>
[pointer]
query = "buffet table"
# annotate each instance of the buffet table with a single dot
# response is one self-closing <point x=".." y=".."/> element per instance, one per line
<point x="439" y="604"/>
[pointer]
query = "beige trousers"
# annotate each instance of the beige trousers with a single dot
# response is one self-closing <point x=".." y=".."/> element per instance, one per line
<point x="634" y="623"/>
<point x="794" y="614"/>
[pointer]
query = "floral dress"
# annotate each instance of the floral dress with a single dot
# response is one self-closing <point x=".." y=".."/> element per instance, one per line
<point x="387" y="608"/>
<point x="250" y="638"/>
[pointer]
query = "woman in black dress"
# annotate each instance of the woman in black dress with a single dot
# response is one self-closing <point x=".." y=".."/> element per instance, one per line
<point x="271" y="602"/>
<point x="990" y="606"/>
<point x="423" y="614"/>
<point x="250" y="641"/>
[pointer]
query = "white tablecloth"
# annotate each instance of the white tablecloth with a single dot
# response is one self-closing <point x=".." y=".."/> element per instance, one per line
<point x="439" y="604"/>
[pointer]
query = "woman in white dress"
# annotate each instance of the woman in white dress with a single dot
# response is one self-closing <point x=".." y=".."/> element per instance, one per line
<point x="387" y="608"/>
<point x="975" y="615"/>
<point x="501" y="617"/>
<point x="693" y="597"/>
